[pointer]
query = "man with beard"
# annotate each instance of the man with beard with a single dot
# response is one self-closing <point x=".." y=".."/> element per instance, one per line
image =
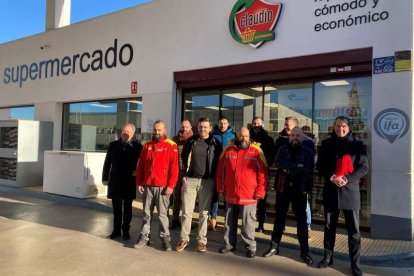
<point x="223" y="132"/>
<point x="290" y="123"/>
<point x="296" y="163"/>
<point x="259" y="135"/>
<point x="342" y="161"/>
<point x="242" y="178"/>
<point x="157" y="173"/>
<point x="200" y="155"/>
<point x="119" y="174"/>
<point x="184" y="133"/>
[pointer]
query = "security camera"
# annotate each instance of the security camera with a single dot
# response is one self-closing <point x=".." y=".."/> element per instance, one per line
<point x="44" y="47"/>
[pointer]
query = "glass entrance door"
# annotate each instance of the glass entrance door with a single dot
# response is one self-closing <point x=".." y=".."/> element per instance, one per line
<point x="314" y="104"/>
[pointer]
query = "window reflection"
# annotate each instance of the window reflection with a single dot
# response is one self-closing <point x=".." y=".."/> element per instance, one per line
<point x="91" y="126"/>
<point x="16" y="113"/>
<point x="197" y="106"/>
<point x="282" y="101"/>
<point x="240" y="106"/>
<point x="347" y="97"/>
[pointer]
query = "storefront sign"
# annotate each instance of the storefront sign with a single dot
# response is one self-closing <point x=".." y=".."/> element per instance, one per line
<point x="391" y="124"/>
<point x="97" y="60"/>
<point x="403" y="61"/>
<point x="253" y="22"/>
<point x="345" y="14"/>
<point x="383" y="65"/>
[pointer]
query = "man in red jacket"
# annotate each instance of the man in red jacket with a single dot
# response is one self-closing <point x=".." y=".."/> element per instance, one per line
<point x="242" y="178"/>
<point x="157" y="173"/>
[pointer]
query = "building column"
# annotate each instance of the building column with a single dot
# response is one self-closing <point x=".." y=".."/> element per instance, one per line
<point x="51" y="112"/>
<point x="57" y="14"/>
<point x="392" y="156"/>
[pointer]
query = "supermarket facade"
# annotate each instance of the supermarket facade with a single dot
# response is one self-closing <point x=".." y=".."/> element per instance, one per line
<point x="185" y="59"/>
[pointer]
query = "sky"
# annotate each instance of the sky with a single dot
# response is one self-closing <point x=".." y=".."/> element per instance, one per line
<point x="21" y="18"/>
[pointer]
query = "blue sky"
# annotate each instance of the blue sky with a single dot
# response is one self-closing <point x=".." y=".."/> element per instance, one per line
<point x="21" y="18"/>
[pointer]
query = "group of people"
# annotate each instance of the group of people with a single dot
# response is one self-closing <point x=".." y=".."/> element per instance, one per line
<point x="198" y="167"/>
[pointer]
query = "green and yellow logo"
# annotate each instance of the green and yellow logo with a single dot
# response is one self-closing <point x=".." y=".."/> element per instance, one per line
<point x="253" y="22"/>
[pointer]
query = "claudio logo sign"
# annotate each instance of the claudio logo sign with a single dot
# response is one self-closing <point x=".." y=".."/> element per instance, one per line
<point x="391" y="124"/>
<point x="88" y="61"/>
<point x="253" y="22"/>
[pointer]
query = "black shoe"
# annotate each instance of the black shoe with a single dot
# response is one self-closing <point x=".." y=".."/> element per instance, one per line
<point x="250" y="254"/>
<point x="126" y="236"/>
<point x="273" y="250"/>
<point x="225" y="250"/>
<point x="175" y="224"/>
<point x="260" y="229"/>
<point x="306" y="258"/>
<point x="114" y="235"/>
<point x="166" y="245"/>
<point x="356" y="271"/>
<point x="324" y="263"/>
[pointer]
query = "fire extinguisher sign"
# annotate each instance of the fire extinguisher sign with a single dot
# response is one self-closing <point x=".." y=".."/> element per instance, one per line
<point x="134" y="87"/>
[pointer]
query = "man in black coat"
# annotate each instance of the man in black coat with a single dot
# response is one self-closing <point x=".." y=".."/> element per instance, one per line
<point x="259" y="134"/>
<point x="283" y="140"/>
<point x="119" y="174"/>
<point x="295" y="162"/>
<point x="342" y="161"/>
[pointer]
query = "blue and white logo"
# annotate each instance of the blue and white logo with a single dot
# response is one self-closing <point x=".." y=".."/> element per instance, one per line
<point x="391" y="124"/>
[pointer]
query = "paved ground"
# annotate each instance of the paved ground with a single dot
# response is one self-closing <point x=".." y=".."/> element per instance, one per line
<point x="48" y="235"/>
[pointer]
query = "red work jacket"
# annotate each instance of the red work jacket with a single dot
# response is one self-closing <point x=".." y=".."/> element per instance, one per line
<point x="158" y="164"/>
<point x="242" y="175"/>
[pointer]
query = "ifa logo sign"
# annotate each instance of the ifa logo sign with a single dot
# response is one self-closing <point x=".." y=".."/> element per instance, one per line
<point x="391" y="124"/>
<point x="253" y="22"/>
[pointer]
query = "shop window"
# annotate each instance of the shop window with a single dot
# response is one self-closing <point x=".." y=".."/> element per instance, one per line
<point x="347" y="97"/>
<point x="352" y="98"/>
<point x="91" y="126"/>
<point x="283" y="101"/>
<point x="201" y="105"/>
<point x="21" y="113"/>
<point x="315" y="104"/>
<point x="239" y="106"/>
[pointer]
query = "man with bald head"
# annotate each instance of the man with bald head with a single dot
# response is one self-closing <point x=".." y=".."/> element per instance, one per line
<point x="185" y="132"/>
<point x="157" y="174"/>
<point x="242" y="178"/>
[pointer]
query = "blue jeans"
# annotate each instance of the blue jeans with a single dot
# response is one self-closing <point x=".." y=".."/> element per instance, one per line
<point x="214" y="205"/>
<point x="308" y="214"/>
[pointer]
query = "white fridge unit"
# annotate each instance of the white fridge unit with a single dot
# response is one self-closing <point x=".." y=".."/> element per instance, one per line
<point x="74" y="174"/>
<point x="22" y="144"/>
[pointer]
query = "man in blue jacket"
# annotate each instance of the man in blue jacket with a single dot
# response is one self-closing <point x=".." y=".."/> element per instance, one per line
<point x="223" y="132"/>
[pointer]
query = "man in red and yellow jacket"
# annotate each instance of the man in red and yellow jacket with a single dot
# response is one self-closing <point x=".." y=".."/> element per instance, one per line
<point x="157" y="173"/>
<point x="242" y="178"/>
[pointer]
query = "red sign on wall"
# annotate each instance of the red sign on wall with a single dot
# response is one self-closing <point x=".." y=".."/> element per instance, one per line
<point x="134" y="87"/>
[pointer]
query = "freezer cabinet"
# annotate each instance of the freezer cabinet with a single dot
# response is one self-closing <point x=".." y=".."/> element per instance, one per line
<point x="74" y="174"/>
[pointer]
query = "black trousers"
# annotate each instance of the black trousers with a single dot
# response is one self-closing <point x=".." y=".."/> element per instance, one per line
<point x="354" y="236"/>
<point x="298" y="200"/>
<point x="122" y="219"/>
<point x="261" y="211"/>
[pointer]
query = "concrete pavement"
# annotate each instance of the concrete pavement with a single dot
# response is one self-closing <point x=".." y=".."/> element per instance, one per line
<point x="43" y="234"/>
